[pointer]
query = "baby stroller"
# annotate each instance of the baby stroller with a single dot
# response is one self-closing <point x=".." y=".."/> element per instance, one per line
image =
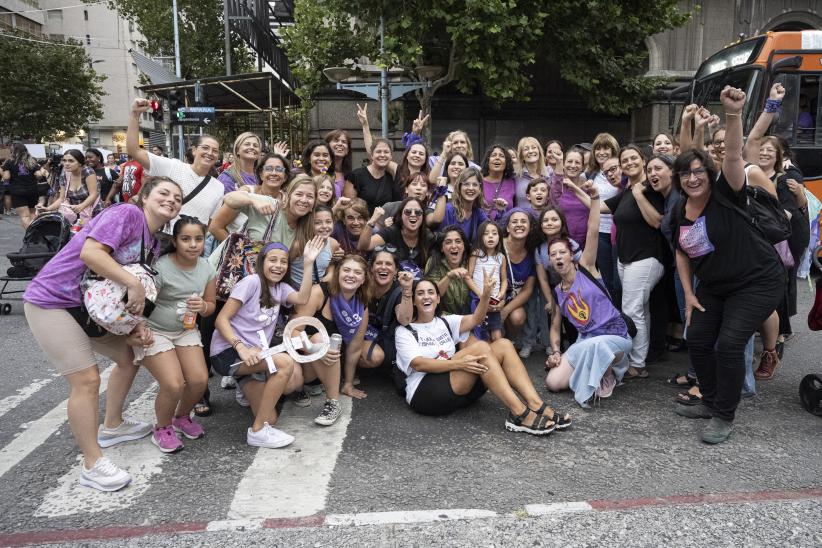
<point x="44" y="237"/>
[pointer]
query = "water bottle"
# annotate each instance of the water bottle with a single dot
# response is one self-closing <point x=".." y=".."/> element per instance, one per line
<point x="189" y="317"/>
<point x="335" y="342"/>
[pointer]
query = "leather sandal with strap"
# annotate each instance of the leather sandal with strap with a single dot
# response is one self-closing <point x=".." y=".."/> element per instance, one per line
<point x="542" y="425"/>
<point x="562" y="421"/>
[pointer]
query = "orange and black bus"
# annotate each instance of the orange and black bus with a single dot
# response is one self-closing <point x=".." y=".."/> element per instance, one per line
<point x="753" y="65"/>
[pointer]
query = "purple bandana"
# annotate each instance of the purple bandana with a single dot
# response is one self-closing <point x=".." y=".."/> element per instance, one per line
<point x="348" y="316"/>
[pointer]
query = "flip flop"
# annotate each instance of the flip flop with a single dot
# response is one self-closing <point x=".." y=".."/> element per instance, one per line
<point x="689" y="381"/>
<point x="684" y="398"/>
<point x="640" y="374"/>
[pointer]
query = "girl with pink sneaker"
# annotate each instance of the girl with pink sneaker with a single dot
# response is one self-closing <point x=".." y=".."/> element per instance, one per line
<point x="185" y="287"/>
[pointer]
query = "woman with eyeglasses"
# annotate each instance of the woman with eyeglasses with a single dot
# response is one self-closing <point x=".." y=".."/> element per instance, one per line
<point x="531" y="164"/>
<point x="53" y="304"/>
<point x="408" y="236"/>
<point x="741" y="278"/>
<point x="440" y="380"/>
<point x="247" y="149"/>
<point x="638" y="214"/>
<point x="202" y="191"/>
<point x="466" y="206"/>
<point x="498" y="181"/>
<point x="448" y="267"/>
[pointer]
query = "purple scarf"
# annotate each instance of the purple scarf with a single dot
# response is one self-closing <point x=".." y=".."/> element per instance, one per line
<point x="348" y="316"/>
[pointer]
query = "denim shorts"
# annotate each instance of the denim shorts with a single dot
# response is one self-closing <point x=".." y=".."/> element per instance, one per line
<point x="221" y="363"/>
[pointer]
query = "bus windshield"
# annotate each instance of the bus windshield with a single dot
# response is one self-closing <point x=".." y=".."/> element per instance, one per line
<point x="707" y="90"/>
<point x="801" y="116"/>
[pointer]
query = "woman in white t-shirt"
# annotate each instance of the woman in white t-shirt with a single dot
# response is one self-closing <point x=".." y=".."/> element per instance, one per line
<point x="440" y="379"/>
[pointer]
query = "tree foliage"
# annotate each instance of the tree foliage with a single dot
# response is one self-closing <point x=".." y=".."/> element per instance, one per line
<point x="46" y="88"/>
<point x="201" y="34"/>
<point x="488" y="46"/>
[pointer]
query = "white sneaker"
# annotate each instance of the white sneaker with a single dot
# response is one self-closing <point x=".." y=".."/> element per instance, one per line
<point x="127" y="431"/>
<point x="525" y="351"/>
<point x="104" y="476"/>
<point x="269" y="437"/>
<point x="239" y="395"/>
<point x="228" y="382"/>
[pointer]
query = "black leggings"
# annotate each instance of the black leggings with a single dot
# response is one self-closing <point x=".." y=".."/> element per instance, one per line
<point x="434" y="395"/>
<point x="718" y="336"/>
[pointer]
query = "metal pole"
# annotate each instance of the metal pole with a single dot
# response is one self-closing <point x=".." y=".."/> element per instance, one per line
<point x="179" y="70"/>
<point x="383" y="83"/>
<point x="227" y="32"/>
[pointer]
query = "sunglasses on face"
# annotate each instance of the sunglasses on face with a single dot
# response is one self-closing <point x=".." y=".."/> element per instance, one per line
<point x="412" y="212"/>
<point x="274" y="169"/>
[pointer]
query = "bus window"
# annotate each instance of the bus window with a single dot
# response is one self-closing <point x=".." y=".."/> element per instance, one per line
<point x="706" y="91"/>
<point x="799" y="119"/>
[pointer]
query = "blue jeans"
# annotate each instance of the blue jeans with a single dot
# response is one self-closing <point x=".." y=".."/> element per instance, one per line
<point x="536" y="329"/>
<point x="606" y="262"/>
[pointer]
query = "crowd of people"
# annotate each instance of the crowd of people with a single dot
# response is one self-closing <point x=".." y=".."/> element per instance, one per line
<point x="442" y="273"/>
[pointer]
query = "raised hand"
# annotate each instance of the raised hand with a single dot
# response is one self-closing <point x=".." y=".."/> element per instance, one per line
<point x="777" y="92"/>
<point x="406" y="280"/>
<point x="139" y="105"/>
<point x="689" y="111"/>
<point x="702" y="117"/>
<point x="377" y="215"/>
<point x="733" y="100"/>
<point x="442" y="181"/>
<point x="446" y="147"/>
<point x="500" y="203"/>
<point x="362" y="114"/>
<point x="313" y="247"/>
<point x="713" y="121"/>
<point x="418" y="124"/>
<point x="589" y="188"/>
<point x="281" y="148"/>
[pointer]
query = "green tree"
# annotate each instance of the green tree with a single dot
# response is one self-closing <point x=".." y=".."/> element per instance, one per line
<point x="46" y="88"/>
<point x="201" y="34"/>
<point x="487" y="46"/>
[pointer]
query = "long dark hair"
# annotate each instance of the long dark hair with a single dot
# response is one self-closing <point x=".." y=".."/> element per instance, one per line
<point x="508" y="170"/>
<point x="438" y="310"/>
<point x="437" y="256"/>
<point x="404" y="172"/>
<point x="21" y="157"/>
<point x="182" y="220"/>
<point x="336" y="134"/>
<point x="422" y="234"/>
<point x="306" y="157"/>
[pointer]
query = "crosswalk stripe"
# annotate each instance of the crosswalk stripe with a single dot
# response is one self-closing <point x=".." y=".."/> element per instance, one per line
<point x="39" y="431"/>
<point x="10" y="402"/>
<point x="292" y="481"/>
<point x="140" y="458"/>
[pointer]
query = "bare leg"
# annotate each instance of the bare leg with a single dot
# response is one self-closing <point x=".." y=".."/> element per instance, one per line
<point x="770" y="331"/>
<point x="329" y="375"/>
<point x="271" y="392"/>
<point x="195" y="372"/>
<point x="515" y="321"/>
<point x="119" y="383"/>
<point x="83" y="404"/>
<point x="376" y="359"/>
<point x="26" y="216"/>
<point x="515" y="372"/>
<point x="165" y="368"/>
<point x="559" y="377"/>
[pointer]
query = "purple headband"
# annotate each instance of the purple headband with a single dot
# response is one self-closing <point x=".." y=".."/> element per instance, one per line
<point x="511" y="211"/>
<point x="274" y="245"/>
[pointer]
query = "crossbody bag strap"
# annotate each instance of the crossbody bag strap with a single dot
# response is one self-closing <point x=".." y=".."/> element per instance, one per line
<point x="601" y="287"/>
<point x="270" y="228"/>
<point x="191" y="195"/>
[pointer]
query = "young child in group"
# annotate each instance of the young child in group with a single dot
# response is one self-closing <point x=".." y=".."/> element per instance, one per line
<point x="185" y="288"/>
<point x="253" y="306"/>
<point x="488" y="257"/>
<point x="537" y="193"/>
<point x="325" y="191"/>
<point x="323" y="227"/>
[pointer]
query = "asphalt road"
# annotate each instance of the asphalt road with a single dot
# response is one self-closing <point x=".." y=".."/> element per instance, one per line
<point x="628" y="472"/>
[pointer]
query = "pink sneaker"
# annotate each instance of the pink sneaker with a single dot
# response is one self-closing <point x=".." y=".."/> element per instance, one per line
<point x="188" y="427"/>
<point x="166" y="439"/>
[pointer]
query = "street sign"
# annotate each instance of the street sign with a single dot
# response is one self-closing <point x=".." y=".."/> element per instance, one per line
<point x="198" y="116"/>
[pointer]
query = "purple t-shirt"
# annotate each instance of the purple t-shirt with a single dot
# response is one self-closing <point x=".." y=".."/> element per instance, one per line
<point x="230" y="185"/>
<point x="470" y="225"/>
<point x="589" y="309"/>
<point x="576" y="213"/>
<point x="505" y="190"/>
<point x="250" y="318"/>
<point x="120" y="227"/>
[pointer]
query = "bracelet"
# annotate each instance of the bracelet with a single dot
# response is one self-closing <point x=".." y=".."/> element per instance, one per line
<point x="369" y="225"/>
<point x="733" y="114"/>
<point x="406" y="296"/>
<point x="235" y="342"/>
<point x="595" y="197"/>
<point x="773" y="105"/>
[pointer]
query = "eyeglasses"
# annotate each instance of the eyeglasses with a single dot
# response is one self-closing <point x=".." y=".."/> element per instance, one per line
<point x="206" y="148"/>
<point x="698" y="172"/>
<point x="719" y="143"/>
<point x="610" y="170"/>
<point x="412" y="212"/>
<point x="276" y="169"/>
<point x="388" y="248"/>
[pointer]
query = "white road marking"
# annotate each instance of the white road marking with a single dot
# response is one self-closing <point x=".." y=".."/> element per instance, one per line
<point x="574" y="507"/>
<point x="413" y="516"/>
<point x="38" y="431"/>
<point x="292" y="481"/>
<point x="140" y="458"/>
<point x="10" y="402"/>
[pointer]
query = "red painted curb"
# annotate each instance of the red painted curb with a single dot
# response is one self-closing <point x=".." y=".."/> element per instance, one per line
<point x="102" y="533"/>
<point x="709" y="498"/>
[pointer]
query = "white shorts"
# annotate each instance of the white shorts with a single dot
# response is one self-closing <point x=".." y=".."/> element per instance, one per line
<point x="168" y="340"/>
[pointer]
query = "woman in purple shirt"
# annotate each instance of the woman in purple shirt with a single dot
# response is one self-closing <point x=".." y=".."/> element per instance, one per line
<point x="498" y="185"/>
<point x="241" y="173"/>
<point x="564" y="196"/>
<point x="120" y="235"/>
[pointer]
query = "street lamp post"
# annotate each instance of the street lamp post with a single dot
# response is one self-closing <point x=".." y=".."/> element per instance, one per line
<point x="383" y="91"/>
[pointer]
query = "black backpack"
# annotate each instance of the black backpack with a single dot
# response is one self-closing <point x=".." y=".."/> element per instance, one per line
<point x="397" y="374"/>
<point x="763" y="212"/>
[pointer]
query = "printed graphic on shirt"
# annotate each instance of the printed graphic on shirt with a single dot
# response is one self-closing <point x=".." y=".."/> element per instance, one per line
<point x="577" y="308"/>
<point x="694" y="239"/>
<point x="268" y="315"/>
<point x="443" y="339"/>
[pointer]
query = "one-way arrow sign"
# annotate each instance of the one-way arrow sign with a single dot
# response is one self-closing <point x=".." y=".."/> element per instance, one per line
<point x="199" y="116"/>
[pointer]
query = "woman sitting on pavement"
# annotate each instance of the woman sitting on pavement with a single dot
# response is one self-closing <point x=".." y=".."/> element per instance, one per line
<point x="53" y="301"/>
<point x="519" y="254"/>
<point x="596" y="362"/>
<point x="440" y="379"/>
<point x="741" y="277"/>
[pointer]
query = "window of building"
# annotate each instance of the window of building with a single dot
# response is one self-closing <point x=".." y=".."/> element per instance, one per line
<point x="55" y="16"/>
<point x="85" y="15"/>
<point x="88" y="40"/>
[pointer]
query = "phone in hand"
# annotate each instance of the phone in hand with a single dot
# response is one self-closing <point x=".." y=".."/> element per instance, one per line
<point x="493" y="301"/>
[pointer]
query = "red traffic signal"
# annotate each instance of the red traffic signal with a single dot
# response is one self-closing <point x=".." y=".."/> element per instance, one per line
<point x="156" y="110"/>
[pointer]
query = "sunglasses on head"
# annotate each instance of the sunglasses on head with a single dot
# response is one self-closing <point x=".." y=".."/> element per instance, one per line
<point x="388" y="248"/>
<point x="277" y="169"/>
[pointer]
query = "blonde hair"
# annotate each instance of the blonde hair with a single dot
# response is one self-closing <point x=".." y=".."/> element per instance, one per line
<point x="234" y="171"/>
<point x="305" y="224"/>
<point x="521" y="161"/>
<point x="470" y="152"/>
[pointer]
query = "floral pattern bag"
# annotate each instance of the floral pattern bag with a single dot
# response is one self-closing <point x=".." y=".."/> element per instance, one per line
<point x="239" y="257"/>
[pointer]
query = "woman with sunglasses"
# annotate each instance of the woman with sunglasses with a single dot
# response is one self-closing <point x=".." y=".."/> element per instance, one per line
<point x="120" y="235"/>
<point x="741" y="278"/>
<point x="465" y="208"/>
<point x="440" y="380"/>
<point x="408" y="236"/>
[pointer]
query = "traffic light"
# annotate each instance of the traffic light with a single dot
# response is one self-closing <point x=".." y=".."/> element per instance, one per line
<point x="156" y="110"/>
<point x="176" y="101"/>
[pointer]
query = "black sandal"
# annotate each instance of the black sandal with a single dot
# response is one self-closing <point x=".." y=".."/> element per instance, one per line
<point x="562" y="422"/>
<point x="202" y="408"/>
<point x="686" y="398"/>
<point x="542" y="425"/>
<point x="689" y="381"/>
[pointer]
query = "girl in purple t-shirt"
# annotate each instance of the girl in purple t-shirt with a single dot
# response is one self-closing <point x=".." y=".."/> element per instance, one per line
<point x="119" y="235"/>
<point x="253" y="306"/>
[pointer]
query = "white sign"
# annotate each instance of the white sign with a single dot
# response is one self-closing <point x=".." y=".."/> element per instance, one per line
<point x="811" y="39"/>
<point x="36" y="151"/>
